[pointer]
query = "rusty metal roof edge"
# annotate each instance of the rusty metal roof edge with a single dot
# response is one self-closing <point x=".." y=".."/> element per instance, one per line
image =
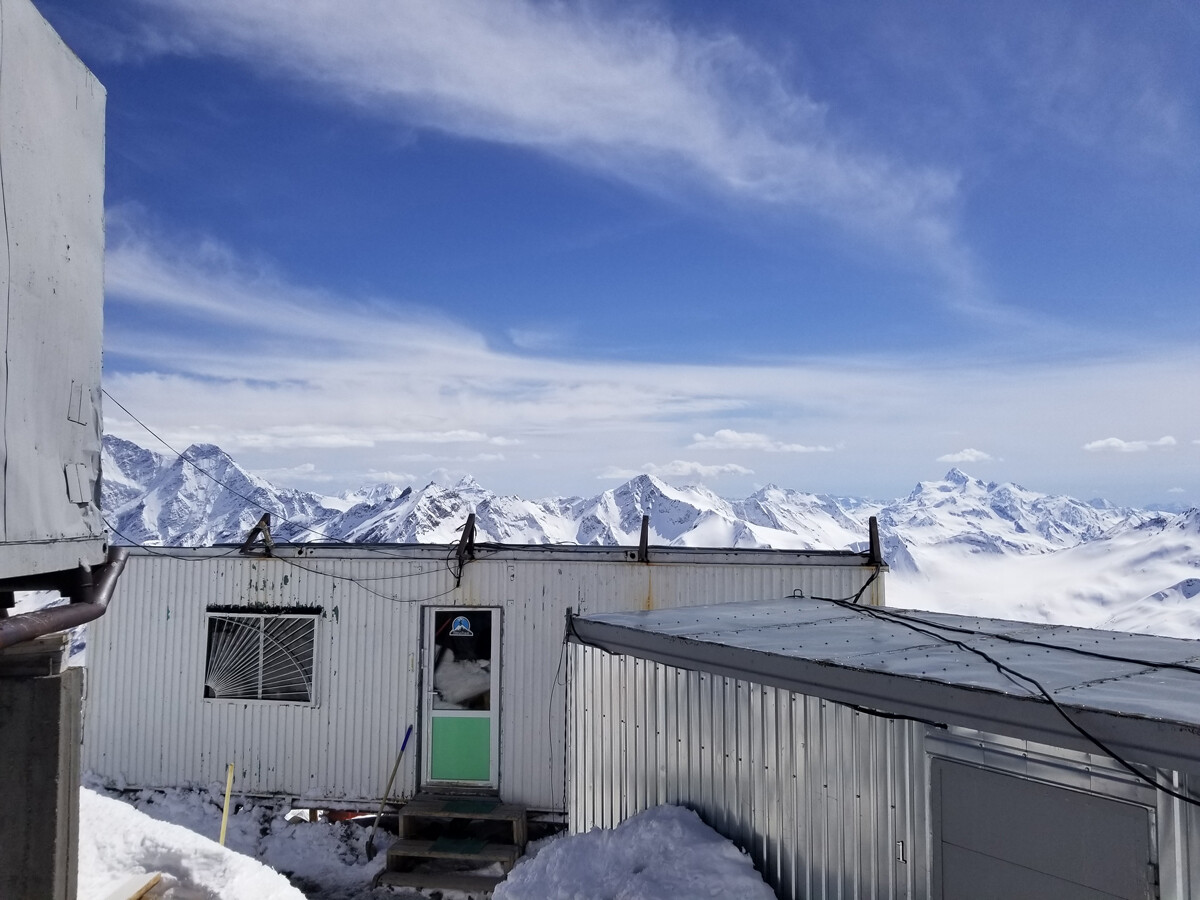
<point x="510" y="552"/>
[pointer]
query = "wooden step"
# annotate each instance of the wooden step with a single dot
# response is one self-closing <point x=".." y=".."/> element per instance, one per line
<point x="485" y="808"/>
<point x="445" y="807"/>
<point x="442" y="881"/>
<point x="405" y="851"/>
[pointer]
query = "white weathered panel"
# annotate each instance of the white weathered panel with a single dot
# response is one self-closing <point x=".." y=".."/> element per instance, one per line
<point x="52" y="179"/>
<point x="812" y="790"/>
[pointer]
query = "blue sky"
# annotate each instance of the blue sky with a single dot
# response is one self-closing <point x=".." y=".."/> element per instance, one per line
<point x="839" y="247"/>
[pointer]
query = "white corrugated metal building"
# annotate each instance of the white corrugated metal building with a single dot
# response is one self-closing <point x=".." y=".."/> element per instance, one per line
<point x="860" y="753"/>
<point x="304" y="668"/>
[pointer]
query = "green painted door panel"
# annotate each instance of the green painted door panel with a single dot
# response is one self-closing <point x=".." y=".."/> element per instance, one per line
<point x="461" y="748"/>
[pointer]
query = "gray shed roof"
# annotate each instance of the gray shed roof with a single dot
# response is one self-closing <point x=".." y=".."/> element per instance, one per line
<point x="1129" y="697"/>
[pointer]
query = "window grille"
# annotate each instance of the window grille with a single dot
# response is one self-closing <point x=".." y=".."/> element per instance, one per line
<point x="260" y="657"/>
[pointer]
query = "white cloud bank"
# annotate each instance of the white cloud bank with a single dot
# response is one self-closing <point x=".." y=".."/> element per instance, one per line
<point x="289" y="377"/>
<point x="969" y="455"/>
<point x="1121" y="446"/>
<point x="727" y="439"/>
<point x="678" y="468"/>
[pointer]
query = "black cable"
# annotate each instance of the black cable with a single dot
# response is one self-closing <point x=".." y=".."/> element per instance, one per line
<point x="333" y="540"/>
<point x="1011" y="639"/>
<point x="562" y="655"/>
<point x="154" y="551"/>
<point x="347" y="578"/>
<point x="8" y="281"/>
<point x="1017" y="677"/>
<point x="351" y="580"/>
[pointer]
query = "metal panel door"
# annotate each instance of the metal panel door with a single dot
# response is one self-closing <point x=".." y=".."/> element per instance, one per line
<point x="460" y="716"/>
<point x="999" y="836"/>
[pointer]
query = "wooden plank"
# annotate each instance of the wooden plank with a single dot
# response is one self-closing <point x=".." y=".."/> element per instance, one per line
<point x="506" y="854"/>
<point x="443" y="881"/>
<point x="135" y="887"/>
<point x="447" y="808"/>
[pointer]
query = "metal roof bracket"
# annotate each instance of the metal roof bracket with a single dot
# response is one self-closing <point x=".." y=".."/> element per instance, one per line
<point x="263" y="530"/>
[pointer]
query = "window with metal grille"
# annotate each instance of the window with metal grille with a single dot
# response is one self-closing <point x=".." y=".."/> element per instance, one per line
<point x="260" y="657"/>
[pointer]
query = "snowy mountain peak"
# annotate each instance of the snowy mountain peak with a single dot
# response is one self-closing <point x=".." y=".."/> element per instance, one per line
<point x="975" y="517"/>
<point x="1189" y="522"/>
<point x="126" y="469"/>
<point x="155" y="500"/>
<point x="959" y="477"/>
<point x="383" y="492"/>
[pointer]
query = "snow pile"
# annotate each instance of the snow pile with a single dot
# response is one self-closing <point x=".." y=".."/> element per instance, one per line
<point x="662" y="854"/>
<point x="116" y="841"/>
<point x="175" y="831"/>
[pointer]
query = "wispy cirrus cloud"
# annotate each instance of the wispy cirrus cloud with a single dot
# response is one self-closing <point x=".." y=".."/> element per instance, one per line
<point x="616" y="90"/>
<point x="1102" y="89"/>
<point x="728" y="439"/>
<point x="1122" y="446"/>
<point x="969" y="455"/>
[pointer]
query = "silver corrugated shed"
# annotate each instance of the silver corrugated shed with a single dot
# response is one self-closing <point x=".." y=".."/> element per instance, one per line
<point x="147" y="723"/>
<point x="816" y="792"/>
<point x="776" y="722"/>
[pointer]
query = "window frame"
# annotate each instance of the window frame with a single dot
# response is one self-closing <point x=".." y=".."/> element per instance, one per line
<point x="263" y="616"/>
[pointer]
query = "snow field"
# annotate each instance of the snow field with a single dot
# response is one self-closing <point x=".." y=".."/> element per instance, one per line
<point x="662" y="854"/>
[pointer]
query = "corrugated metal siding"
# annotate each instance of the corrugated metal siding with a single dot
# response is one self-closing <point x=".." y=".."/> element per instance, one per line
<point x="147" y="723"/>
<point x="816" y="792"/>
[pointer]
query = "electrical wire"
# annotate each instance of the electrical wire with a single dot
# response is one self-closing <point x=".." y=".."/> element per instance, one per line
<point x="562" y="655"/>
<point x="297" y="525"/>
<point x="1013" y="639"/>
<point x="8" y="280"/>
<point x="1017" y="678"/>
<point x="154" y="551"/>
<point x="358" y="583"/>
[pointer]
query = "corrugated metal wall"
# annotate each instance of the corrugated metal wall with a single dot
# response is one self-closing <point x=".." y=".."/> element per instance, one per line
<point x="818" y="793"/>
<point x="147" y="723"/>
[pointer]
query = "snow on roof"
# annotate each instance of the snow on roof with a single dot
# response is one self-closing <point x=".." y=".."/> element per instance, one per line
<point x="1138" y="695"/>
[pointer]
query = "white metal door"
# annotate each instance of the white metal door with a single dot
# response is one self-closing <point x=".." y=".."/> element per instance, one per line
<point x="460" y="731"/>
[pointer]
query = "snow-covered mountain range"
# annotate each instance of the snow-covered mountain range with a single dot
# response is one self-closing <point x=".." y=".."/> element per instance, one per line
<point x="957" y="544"/>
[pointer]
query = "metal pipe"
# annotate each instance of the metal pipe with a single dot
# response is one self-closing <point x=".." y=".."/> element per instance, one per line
<point x="88" y="602"/>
